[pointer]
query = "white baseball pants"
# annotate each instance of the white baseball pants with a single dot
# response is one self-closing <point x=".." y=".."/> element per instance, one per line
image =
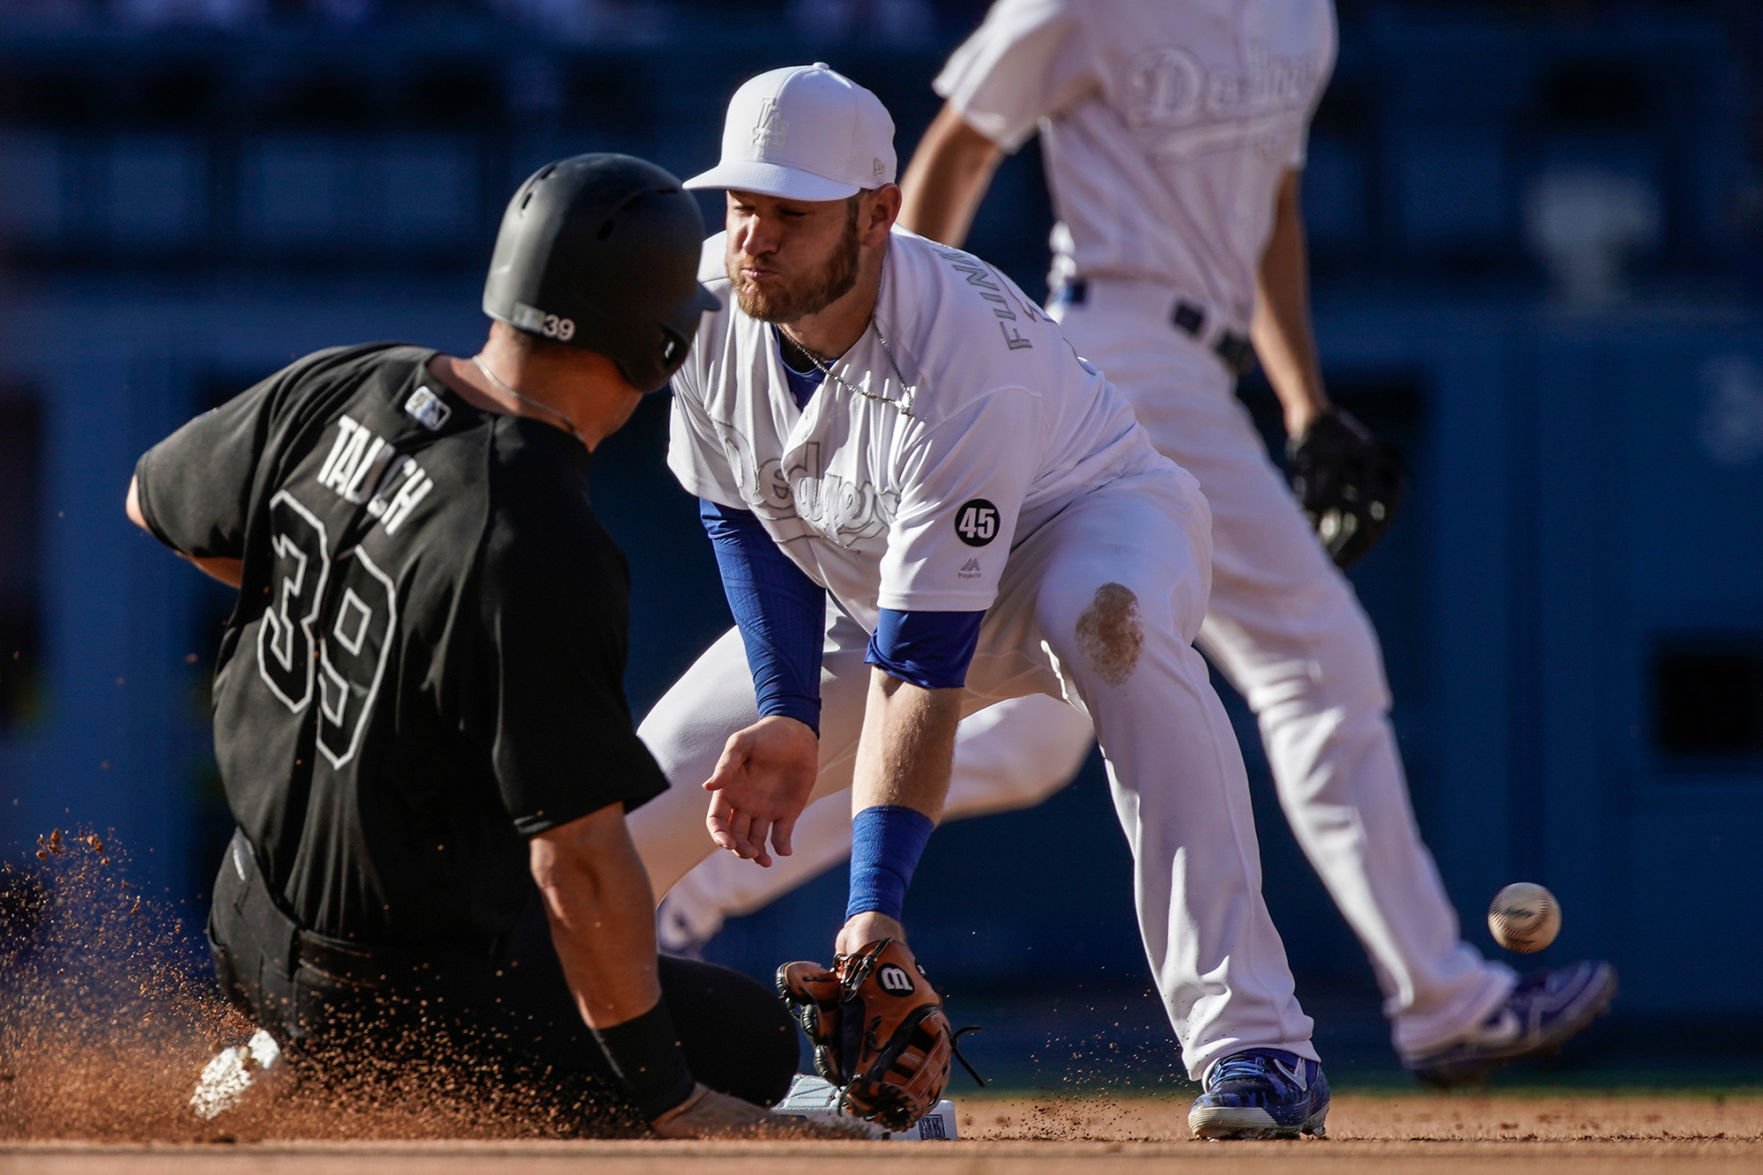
<point x="1099" y="606"/>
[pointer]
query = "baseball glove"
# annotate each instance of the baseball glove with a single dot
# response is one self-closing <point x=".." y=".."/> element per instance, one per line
<point x="1348" y="482"/>
<point x="878" y="1030"/>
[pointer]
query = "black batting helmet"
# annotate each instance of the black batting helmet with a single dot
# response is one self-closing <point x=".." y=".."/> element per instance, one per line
<point x="601" y="252"/>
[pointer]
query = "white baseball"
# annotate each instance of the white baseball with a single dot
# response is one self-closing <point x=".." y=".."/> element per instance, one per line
<point x="1524" y="917"/>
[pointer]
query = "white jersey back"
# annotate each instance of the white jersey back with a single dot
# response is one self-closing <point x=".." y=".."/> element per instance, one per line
<point x="1165" y="125"/>
<point x="959" y="423"/>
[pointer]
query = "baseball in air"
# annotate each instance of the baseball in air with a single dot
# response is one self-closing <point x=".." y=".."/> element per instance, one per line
<point x="1525" y="917"/>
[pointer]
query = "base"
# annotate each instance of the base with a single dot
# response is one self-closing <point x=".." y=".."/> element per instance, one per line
<point x="818" y="1101"/>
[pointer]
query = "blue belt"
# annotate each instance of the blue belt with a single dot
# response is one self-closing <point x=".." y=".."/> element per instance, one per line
<point x="1235" y="351"/>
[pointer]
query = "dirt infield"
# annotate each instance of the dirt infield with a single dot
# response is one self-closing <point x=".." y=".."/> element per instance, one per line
<point x="1505" y="1132"/>
<point x="103" y="1029"/>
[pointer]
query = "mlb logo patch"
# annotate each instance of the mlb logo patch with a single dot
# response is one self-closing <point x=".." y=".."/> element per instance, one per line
<point x="427" y="409"/>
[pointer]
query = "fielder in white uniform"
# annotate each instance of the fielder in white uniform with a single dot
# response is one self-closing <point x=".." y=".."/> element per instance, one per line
<point x="929" y="452"/>
<point x="1174" y="135"/>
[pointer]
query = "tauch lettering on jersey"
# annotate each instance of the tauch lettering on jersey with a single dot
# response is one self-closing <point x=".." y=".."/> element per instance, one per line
<point x="365" y="469"/>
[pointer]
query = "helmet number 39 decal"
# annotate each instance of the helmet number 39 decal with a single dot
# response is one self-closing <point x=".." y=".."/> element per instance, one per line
<point x="976" y="522"/>
<point x="562" y="329"/>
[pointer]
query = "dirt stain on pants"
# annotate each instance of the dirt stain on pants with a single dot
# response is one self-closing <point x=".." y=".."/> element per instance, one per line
<point x="1109" y="633"/>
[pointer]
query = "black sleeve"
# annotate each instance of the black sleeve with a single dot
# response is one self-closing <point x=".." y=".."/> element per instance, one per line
<point x="553" y="595"/>
<point x="194" y="487"/>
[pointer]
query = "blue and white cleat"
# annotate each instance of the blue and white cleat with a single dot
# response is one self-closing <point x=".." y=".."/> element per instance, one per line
<point x="1261" y="1093"/>
<point x="1543" y="1011"/>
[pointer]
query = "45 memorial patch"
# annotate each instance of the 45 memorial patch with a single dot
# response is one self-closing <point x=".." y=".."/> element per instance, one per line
<point x="976" y="522"/>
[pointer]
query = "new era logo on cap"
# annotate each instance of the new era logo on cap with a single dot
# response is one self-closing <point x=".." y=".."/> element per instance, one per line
<point x="805" y="132"/>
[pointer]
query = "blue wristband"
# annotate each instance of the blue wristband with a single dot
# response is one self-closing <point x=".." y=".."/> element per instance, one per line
<point x="886" y="843"/>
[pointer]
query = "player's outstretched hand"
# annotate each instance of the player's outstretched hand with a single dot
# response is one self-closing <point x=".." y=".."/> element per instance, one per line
<point x="760" y="785"/>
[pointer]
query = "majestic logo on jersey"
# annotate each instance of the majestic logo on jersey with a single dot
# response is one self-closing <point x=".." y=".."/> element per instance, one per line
<point x="803" y="491"/>
<point x="969" y="570"/>
<point x="1168" y="89"/>
<point x="976" y="523"/>
<point x="770" y="131"/>
<point x="364" y="469"/>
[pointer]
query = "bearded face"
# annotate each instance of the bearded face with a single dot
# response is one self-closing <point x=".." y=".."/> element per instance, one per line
<point x="791" y="266"/>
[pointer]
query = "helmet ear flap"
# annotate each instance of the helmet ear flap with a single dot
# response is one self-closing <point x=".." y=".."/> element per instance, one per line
<point x="667" y="354"/>
<point x="601" y="252"/>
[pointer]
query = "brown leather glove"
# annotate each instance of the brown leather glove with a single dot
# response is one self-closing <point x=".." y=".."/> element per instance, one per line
<point x="878" y="1030"/>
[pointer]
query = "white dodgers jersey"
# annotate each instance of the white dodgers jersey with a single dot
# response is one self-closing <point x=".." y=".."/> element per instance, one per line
<point x="958" y="423"/>
<point x="1166" y="126"/>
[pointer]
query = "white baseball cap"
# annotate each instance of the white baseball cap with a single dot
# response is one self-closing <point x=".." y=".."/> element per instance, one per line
<point x="804" y="132"/>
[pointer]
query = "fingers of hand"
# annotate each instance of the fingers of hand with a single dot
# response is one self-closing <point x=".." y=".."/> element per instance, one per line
<point x="738" y="826"/>
<point x="737" y="831"/>
<point x="758" y="833"/>
<point x="716" y="820"/>
<point x="782" y="832"/>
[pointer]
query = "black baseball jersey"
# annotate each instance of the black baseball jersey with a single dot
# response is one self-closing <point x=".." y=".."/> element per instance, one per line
<point x="427" y="656"/>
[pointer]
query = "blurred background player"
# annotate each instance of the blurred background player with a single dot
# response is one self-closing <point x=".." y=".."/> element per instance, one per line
<point x="889" y="424"/>
<point x="1173" y="137"/>
<point x="419" y="709"/>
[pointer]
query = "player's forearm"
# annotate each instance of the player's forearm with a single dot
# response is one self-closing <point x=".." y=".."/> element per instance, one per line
<point x="908" y="746"/>
<point x="598" y="902"/>
<point x="599" y="905"/>
<point x="947" y="179"/>
<point x="902" y="778"/>
<point x="1284" y="341"/>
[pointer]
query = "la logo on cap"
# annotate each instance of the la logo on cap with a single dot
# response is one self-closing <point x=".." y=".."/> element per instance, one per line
<point x="772" y="130"/>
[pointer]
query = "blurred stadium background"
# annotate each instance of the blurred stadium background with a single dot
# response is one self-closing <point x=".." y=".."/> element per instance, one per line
<point x="1537" y="237"/>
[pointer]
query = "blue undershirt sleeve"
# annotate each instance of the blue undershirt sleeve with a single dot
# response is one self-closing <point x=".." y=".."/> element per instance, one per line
<point x="928" y="649"/>
<point x="780" y="611"/>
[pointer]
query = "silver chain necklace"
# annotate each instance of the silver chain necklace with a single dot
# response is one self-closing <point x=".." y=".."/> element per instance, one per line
<point x="907" y="391"/>
<point x="539" y="404"/>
